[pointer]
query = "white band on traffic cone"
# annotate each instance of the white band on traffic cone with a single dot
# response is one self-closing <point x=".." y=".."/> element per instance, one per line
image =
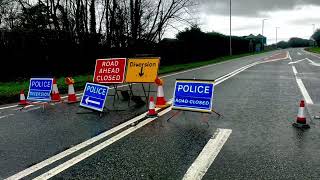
<point x="301" y="112"/>
<point x="55" y="89"/>
<point x="22" y="97"/>
<point x="160" y="91"/>
<point x="151" y="105"/>
<point x="70" y="89"/>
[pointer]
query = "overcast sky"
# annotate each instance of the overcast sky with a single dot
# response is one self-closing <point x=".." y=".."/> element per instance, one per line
<point x="294" y="17"/>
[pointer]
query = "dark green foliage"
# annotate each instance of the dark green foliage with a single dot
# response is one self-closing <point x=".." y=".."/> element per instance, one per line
<point x="316" y="36"/>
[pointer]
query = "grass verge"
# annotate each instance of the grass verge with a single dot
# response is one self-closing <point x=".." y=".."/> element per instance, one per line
<point x="9" y="91"/>
<point x="314" y="49"/>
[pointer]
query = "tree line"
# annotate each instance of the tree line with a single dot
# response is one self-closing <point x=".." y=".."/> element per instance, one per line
<point x="299" y="42"/>
<point x="64" y="37"/>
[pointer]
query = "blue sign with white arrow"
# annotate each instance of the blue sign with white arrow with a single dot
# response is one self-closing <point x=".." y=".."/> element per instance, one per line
<point x="194" y="95"/>
<point x="94" y="96"/>
<point x="40" y="89"/>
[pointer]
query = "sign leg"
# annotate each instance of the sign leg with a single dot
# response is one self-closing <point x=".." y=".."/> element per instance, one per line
<point x="217" y="113"/>
<point x="130" y="94"/>
<point x="175" y="114"/>
<point x="145" y="94"/>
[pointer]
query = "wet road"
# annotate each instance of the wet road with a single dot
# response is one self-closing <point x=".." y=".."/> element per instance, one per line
<point x="258" y="105"/>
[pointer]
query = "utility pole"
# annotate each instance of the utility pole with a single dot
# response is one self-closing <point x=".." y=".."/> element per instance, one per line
<point x="230" y="32"/>
<point x="262" y="43"/>
<point x="277" y="36"/>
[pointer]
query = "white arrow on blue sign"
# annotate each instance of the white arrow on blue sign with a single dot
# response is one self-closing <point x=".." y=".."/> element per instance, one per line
<point x="94" y="96"/>
<point x="194" y="95"/>
<point x="40" y="89"/>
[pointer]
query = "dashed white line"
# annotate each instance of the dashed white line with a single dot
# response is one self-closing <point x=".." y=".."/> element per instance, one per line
<point x="1" y="117"/>
<point x="200" y="166"/>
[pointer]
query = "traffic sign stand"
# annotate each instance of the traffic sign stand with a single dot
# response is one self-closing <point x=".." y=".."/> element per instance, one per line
<point x="179" y="111"/>
<point x="115" y="95"/>
<point x="146" y="93"/>
<point x="100" y="113"/>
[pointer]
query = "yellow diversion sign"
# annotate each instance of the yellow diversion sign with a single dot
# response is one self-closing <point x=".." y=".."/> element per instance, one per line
<point x="142" y="70"/>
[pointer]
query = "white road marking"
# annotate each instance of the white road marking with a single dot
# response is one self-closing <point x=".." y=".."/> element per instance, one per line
<point x="13" y="106"/>
<point x="304" y="91"/>
<point x="200" y="166"/>
<point x="301" y="86"/>
<point x="299" y="53"/>
<point x="7" y="107"/>
<point x="1" y="117"/>
<point x="227" y="76"/>
<point x="312" y="62"/>
<point x="294" y="70"/>
<point x="67" y="152"/>
<point x="298" y="61"/>
<point x="97" y="148"/>
<point x="289" y="55"/>
<point x="31" y="109"/>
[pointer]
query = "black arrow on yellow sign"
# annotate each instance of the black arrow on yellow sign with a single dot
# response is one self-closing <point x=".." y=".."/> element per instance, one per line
<point x="141" y="72"/>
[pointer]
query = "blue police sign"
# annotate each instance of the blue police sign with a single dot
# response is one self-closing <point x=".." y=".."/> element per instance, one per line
<point x="94" y="96"/>
<point x="40" y="89"/>
<point x="194" y="95"/>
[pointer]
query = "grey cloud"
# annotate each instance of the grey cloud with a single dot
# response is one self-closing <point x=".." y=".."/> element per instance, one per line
<point x="246" y="27"/>
<point x="251" y="8"/>
<point x="304" y="21"/>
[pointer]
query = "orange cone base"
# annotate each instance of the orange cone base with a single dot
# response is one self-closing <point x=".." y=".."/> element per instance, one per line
<point x="23" y="103"/>
<point x="161" y="102"/>
<point x="55" y="98"/>
<point x="301" y="126"/>
<point x="152" y="113"/>
<point x="72" y="99"/>
<point x="163" y="106"/>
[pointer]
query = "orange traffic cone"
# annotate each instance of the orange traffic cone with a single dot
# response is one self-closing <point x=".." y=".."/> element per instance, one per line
<point x="55" y="96"/>
<point x="23" y="100"/>
<point x="301" y="119"/>
<point x="161" y="101"/>
<point x="152" y="111"/>
<point x="72" y="98"/>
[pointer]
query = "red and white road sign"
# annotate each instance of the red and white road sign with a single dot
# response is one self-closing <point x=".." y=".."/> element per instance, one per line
<point x="110" y="71"/>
